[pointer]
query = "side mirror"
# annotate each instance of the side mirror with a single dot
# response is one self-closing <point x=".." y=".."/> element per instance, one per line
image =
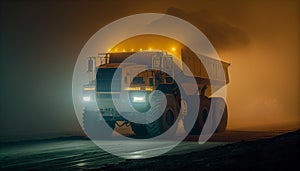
<point x="90" y="65"/>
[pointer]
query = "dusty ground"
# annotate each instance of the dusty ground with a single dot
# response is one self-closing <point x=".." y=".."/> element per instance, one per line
<point x="234" y="150"/>
<point x="277" y="153"/>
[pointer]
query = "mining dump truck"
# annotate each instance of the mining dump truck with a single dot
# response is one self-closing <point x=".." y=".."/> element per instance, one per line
<point x="106" y="68"/>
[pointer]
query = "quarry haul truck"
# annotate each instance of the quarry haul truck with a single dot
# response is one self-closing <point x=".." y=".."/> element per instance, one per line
<point x="159" y="68"/>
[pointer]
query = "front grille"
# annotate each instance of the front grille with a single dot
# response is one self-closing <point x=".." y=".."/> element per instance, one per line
<point x="105" y="77"/>
<point x="107" y="96"/>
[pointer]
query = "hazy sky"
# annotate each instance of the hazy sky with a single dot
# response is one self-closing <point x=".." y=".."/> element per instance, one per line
<point x="40" y="42"/>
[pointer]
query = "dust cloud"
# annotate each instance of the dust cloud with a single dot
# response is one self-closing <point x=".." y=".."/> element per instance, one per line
<point x="262" y="45"/>
<point x="223" y="35"/>
<point x="40" y="42"/>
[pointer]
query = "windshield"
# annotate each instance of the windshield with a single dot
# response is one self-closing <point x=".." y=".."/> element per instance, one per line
<point x="138" y="80"/>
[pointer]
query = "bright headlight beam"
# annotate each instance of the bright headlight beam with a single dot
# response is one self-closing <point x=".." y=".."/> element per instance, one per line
<point x="86" y="98"/>
<point x="138" y="99"/>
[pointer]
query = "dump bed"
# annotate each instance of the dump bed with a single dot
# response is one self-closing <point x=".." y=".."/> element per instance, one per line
<point x="195" y="65"/>
<point x="213" y="66"/>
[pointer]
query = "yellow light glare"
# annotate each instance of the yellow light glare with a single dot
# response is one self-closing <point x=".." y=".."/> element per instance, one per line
<point x="133" y="88"/>
<point x="148" y="88"/>
<point x="141" y="49"/>
<point x="109" y="50"/>
<point x="131" y="50"/>
<point x="89" y="88"/>
<point x="124" y="50"/>
<point x="150" y="49"/>
<point x="173" y="49"/>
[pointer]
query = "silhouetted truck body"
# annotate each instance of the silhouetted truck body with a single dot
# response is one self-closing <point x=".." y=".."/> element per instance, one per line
<point x="159" y="69"/>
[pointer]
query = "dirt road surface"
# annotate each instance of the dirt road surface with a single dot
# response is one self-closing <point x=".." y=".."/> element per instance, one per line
<point x="79" y="153"/>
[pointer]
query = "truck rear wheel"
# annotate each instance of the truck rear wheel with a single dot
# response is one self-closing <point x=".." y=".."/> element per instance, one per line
<point x="221" y="107"/>
<point x="205" y="104"/>
<point x="96" y="128"/>
<point x="167" y="119"/>
<point x="202" y="115"/>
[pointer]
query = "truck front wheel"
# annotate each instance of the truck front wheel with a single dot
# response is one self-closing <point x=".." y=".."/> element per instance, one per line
<point x="139" y="129"/>
<point x="167" y="119"/>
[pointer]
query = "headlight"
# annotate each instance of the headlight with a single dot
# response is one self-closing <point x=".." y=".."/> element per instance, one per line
<point x="139" y="99"/>
<point x="86" y="98"/>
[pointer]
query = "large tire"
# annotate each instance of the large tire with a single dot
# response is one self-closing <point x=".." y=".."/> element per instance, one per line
<point x="202" y="115"/>
<point x="96" y="128"/>
<point x="221" y="107"/>
<point x="205" y="107"/>
<point x="139" y="129"/>
<point x="167" y="119"/>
